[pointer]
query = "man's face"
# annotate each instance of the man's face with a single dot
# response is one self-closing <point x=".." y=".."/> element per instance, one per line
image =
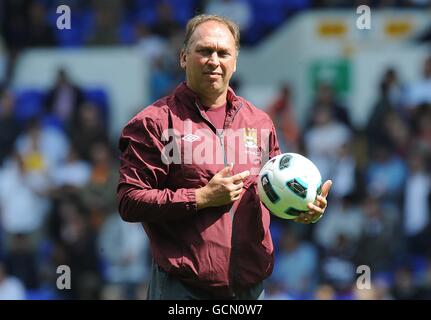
<point x="210" y="59"/>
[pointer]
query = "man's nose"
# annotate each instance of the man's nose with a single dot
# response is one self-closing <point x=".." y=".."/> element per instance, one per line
<point x="213" y="59"/>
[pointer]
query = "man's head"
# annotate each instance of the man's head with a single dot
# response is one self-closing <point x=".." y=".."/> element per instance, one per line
<point x="209" y="54"/>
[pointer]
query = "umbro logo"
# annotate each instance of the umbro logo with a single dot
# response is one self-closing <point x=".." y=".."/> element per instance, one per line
<point x="191" y="137"/>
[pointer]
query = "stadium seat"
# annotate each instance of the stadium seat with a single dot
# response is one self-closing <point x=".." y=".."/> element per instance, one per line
<point x="29" y="103"/>
<point x="147" y="16"/>
<point x="270" y="12"/>
<point x="182" y="9"/>
<point x="40" y="294"/>
<point x="127" y="32"/>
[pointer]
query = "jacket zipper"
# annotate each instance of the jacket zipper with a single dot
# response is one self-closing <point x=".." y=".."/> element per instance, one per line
<point x="233" y="250"/>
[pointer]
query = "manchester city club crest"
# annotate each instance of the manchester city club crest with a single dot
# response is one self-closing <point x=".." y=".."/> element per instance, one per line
<point x="250" y="138"/>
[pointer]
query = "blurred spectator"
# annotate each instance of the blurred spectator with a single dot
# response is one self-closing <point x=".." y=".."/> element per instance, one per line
<point x="21" y="260"/>
<point x="107" y="19"/>
<point x="21" y="212"/>
<point x="9" y="126"/>
<point x="389" y="100"/>
<point x="325" y="139"/>
<point x="161" y="53"/>
<point x="342" y="218"/>
<point x="397" y="132"/>
<point x="420" y="92"/>
<point x="74" y="172"/>
<point x="64" y="100"/>
<point x="39" y="33"/>
<point x="275" y="290"/>
<point x="404" y="287"/>
<point x="149" y="44"/>
<point x="114" y="8"/>
<point x="41" y="147"/>
<point x="424" y="282"/>
<point x="162" y="79"/>
<point x="391" y="89"/>
<point x="96" y="195"/>
<point x="11" y="288"/>
<point x="422" y="130"/>
<point x="380" y="290"/>
<point x="124" y="249"/>
<point x="77" y="248"/>
<point x="281" y="111"/>
<point x="380" y="237"/>
<point x="337" y="267"/>
<point x="239" y="11"/>
<point x="88" y="130"/>
<point x="296" y="268"/>
<point x="385" y="174"/>
<point x="166" y="25"/>
<point x="325" y="292"/>
<point x="344" y="172"/>
<point x="417" y="200"/>
<point x="326" y="99"/>
<point x="15" y="24"/>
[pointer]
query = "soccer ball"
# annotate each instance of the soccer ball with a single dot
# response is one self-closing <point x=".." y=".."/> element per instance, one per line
<point x="287" y="183"/>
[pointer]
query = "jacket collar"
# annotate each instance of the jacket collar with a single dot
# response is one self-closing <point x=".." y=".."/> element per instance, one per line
<point x="190" y="99"/>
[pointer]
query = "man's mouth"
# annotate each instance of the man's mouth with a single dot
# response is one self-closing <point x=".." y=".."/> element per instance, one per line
<point x="213" y="73"/>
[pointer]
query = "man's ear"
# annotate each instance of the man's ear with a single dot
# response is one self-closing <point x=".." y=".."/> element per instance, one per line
<point x="183" y="58"/>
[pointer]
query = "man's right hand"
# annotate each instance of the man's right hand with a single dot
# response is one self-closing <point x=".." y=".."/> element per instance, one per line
<point x="222" y="189"/>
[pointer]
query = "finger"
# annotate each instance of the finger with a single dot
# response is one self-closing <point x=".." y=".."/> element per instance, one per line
<point x="237" y="186"/>
<point x="302" y="220"/>
<point x="321" y="202"/>
<point x="235" y="196"/>
<point x="314" y="208"/>
<point x="235" y="192"/>
<point x="303" y="215"/>
<point x="230" y="168"/>
<point x="240" y="176"/>
<point x="226" y="171"/>
<point x="326" y="187"/>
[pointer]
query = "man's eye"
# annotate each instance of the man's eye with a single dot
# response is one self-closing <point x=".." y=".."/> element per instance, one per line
<point x="204" y="51"/>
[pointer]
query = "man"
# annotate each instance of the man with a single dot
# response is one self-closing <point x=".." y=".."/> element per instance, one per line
<point x="188" y="173"/>
<point x="64" y="100"/>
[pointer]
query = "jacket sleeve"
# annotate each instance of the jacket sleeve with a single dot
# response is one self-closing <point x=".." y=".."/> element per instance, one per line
<point x="141" y="194"/>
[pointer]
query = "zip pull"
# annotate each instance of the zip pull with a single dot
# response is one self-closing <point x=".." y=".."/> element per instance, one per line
<point x="221" y="138"/>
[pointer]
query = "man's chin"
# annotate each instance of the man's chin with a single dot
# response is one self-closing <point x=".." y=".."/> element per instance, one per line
<point x="215" y="83"/>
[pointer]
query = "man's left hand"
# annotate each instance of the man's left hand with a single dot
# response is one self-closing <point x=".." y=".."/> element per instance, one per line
<point x="317" y="209"/>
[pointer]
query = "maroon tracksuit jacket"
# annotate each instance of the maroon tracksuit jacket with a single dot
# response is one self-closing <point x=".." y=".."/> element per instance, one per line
<point x="167" y="151"/>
